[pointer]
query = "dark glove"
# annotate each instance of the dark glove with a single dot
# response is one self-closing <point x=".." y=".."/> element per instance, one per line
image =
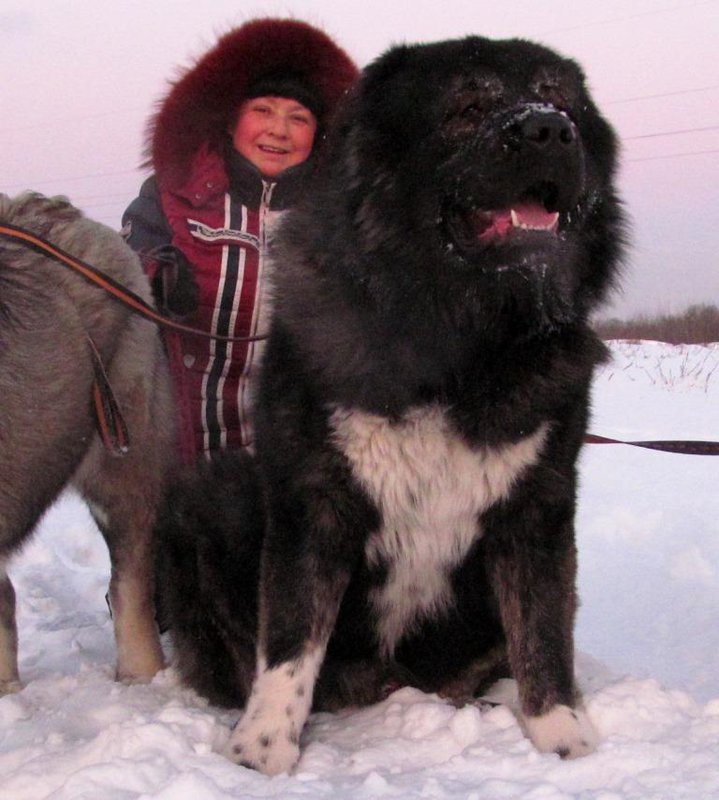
<point x="174" y="286"/>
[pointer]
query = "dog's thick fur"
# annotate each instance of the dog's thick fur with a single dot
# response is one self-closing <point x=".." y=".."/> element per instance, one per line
<point x="423" y="400"/>
<point x="48" y="436"/>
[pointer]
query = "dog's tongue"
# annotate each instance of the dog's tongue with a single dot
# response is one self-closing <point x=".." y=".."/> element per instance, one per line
<point x="527" y="216"/>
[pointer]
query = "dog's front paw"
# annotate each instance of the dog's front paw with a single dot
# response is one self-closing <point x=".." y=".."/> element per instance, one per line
<point x="267" y="737"/>
<point x="266" y="748"/>
<point x="563" y="730"/>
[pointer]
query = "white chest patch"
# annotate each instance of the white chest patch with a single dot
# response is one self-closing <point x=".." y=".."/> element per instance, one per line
<point x="430" y="488"/>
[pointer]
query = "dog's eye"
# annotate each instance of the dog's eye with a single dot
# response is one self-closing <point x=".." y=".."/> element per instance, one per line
<point x="472" y="104"/>
<point x="471" y="110"/>
<point x="556" y="88"/>
<point x="464" y="117"/>
<point x="553" y="94"/>
<point x="471" y="97"/>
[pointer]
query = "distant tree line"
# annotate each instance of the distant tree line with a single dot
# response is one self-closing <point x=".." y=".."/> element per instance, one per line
<point x="699" y="324"/>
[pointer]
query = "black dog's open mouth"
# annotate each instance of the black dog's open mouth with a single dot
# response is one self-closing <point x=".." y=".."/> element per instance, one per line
<point x="489" y="226"/>
<point x="476" y="228"/>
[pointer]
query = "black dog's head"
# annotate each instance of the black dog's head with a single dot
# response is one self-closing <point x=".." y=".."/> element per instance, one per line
<point x="480" y="171"/>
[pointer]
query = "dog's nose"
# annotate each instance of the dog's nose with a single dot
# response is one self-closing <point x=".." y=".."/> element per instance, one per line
<point x="545" y="130"/>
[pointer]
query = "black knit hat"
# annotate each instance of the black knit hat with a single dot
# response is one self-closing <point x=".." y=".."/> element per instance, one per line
<point x="291" y="85"/>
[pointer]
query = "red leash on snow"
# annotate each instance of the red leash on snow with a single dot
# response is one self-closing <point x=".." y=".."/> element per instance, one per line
<point x="110" y="422"/>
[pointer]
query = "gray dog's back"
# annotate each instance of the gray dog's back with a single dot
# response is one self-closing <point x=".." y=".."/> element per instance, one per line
<point x="48" y="435"/>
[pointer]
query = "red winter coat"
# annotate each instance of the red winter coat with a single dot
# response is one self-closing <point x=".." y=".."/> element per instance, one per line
<point x="214" y="206"/>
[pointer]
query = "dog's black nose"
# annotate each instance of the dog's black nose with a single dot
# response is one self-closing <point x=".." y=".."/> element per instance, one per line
<point x="546" y="129"/>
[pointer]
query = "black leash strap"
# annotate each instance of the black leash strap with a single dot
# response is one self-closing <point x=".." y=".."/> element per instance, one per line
<point x="687" y="447"/>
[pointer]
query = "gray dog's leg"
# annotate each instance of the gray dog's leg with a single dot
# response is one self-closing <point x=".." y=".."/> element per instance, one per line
<point x="139" y="655"/>
<point x="124" y="495"/>
<point x="9" y="678"/>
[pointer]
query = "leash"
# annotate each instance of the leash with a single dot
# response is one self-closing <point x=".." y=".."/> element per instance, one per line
<point x="111" y="425"/>
<point x="112" y="287"/>
<point x="687" y="447"/>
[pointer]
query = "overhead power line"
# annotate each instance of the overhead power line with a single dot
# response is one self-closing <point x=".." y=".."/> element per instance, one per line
<point x="670" y="155"/>
<point x="74" y="118"/>
<point x="661" y="95"/>
<point x="626" y="17"/>
<point x="114" y="112"/>
<point x="659" y="134"/>
<point x="672" y="133"/>
<point x="21" y="186"/>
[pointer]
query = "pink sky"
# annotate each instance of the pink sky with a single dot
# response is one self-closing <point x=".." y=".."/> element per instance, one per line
<point x="81" y="78"/>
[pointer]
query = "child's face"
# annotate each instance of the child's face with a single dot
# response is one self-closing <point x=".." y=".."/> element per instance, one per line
<point x="274" y="133"/>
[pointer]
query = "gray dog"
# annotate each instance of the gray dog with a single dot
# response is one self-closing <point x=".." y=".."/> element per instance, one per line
<point x="49" y="320"/>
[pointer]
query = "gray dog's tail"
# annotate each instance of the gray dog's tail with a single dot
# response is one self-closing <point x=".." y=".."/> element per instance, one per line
<point x="208" y="552"/>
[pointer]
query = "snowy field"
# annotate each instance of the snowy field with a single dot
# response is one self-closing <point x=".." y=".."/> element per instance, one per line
<point x="647" y="636"/>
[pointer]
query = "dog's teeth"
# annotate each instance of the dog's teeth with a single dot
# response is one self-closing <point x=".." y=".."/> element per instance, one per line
<point x="549" y="225"/>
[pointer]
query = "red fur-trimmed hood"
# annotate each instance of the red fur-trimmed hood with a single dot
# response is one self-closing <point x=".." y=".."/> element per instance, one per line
<point x="201" y="103"/>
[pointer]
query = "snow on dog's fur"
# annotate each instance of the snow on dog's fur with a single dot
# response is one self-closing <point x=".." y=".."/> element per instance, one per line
<point x="48" y="433"/>
<point x="424" y="395"/>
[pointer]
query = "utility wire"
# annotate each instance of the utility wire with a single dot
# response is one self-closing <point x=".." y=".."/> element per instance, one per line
<point x="660" y="95"/>
<point x="76" y="117"/>
<point x="669" y="155"/>
<point x="671" y="133"/>
<point x="47" y="181"/>
<point x="612" y="20"/>
<point x="15" y="186"/>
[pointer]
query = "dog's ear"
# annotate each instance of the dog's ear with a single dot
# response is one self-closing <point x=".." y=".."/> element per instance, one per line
<point x="394" y="99"/>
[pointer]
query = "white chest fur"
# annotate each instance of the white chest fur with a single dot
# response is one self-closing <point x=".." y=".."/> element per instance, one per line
<point x="430" y="488"/>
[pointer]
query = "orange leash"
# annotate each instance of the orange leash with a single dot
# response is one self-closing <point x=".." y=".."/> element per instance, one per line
<point x="110" y="422"/>
<point x="110" y="285"/>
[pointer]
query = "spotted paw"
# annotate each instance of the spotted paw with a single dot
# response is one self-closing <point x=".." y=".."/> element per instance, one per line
<point x="563" y="730"/>
<point x="271" y="751"/>
<point x="267" y="737"/>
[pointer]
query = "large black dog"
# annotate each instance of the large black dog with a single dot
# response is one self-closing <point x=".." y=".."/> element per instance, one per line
<point x="423" y="400"/>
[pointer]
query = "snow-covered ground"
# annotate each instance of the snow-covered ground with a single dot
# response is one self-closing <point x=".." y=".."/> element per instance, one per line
<point x="647" y="632"/>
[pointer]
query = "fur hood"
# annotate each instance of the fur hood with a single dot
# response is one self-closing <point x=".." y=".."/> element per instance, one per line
<point x="201" y="102"/>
